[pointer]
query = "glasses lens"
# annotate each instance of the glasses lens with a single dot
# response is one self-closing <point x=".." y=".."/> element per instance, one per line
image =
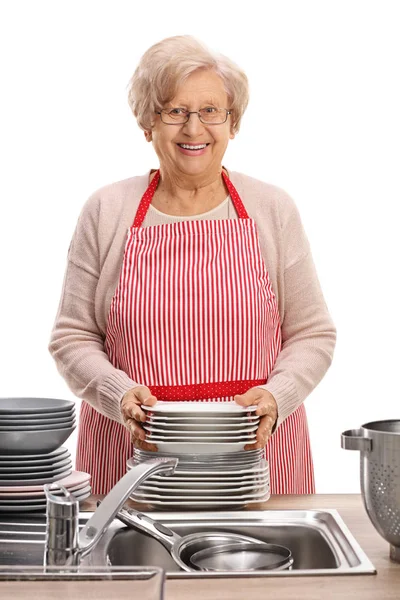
<point x="174" y="116"/>
<point x="208" y="115"/>
<point x="213" y="115"/>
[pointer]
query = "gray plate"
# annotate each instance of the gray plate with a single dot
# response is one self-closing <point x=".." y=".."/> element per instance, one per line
<point x="30" y="442"/>
<point x="54" y="455"/>
<point x="33" y="405"/>
<point x="62" y="414"/>
<point x="27" y="477"/>
<point x="4" y="470"/>
<point x="28" y="482"/>
<point x="60" y="425"/>
<point x="61" y="422"/>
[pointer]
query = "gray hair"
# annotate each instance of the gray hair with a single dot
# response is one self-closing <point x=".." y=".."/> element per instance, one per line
<point x="165" y="65"/>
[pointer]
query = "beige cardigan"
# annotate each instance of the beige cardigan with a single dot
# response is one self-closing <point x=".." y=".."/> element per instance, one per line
<point x="94" y="261"/>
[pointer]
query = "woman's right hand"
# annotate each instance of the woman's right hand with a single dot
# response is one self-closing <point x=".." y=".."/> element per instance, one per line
<point x="133" y="415"/>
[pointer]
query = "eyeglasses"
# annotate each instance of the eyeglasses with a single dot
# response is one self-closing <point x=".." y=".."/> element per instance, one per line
<point x="208" y="115"/>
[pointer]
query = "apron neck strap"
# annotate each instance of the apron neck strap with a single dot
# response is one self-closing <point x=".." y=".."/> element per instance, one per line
<point x="149" y="193"/>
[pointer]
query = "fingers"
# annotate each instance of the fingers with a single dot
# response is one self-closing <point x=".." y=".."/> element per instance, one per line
<point x="263" y="434"/>
<point x="252" y="396"/>
<point x="133" y="414"/>
<point x="132" y="401"/>
<point x="143" y="445"/>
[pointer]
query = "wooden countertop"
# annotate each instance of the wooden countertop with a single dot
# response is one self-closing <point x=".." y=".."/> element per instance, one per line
<point x="384" y="585"/>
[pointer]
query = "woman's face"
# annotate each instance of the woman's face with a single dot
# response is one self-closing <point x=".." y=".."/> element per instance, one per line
<point x="200" y="90"/>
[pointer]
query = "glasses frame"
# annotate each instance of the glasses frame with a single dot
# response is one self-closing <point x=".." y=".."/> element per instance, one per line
<point x="193" y="112"/>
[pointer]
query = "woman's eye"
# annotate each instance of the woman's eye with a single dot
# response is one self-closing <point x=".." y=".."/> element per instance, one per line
<point x="176" y="111"/>
<point x="209" y="109"/>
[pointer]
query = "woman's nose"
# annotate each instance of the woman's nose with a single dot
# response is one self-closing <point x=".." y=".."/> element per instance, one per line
<point x="193" y="126"/>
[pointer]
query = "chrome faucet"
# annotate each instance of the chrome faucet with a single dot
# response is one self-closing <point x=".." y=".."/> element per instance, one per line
<point x="65" y="545"/>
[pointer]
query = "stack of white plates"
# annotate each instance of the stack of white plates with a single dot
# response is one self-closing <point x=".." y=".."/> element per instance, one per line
<point x="27" y="494"/>
<point x="200" y="427"/>
<point x="34" y="425"/>
<point x="216" y="481"/>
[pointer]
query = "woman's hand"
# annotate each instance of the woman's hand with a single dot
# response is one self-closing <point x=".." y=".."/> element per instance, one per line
<point x="133" y="415"/>
<point x="267" y="409"/>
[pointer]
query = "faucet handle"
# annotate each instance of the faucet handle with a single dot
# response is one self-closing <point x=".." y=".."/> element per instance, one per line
<point x="64" y="506"/>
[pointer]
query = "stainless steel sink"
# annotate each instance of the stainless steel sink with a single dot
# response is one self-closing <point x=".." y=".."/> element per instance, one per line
<point x="320" y="542"/>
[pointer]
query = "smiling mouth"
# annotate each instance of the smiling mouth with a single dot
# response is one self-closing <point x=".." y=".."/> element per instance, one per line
<point x="193" y="147"/>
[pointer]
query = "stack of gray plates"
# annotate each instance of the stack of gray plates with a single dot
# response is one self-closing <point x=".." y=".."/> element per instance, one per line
<point x="32" y="431"/>
<point x="227" y="480"/>
<point x="34" y="425"/>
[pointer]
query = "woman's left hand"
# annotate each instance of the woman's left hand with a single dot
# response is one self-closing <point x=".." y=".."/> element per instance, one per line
<point x="267" y="409"/>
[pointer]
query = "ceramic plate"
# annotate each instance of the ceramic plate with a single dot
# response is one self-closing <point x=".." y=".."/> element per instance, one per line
<point x="207" y="420"/>
<point x="44" y="427"/>
<point x="206" y="504"/>
<point x="10" y="508"/>
<point x="62" y="414"/>
<point x="258" y="469"/>
<point x="28" y="457"/>
<point x="33" y="405"/>
<point x="211" y="485"/>
<point x="29" y="442"/>
<point x="61" y="422"/>
<point x="217" y="432"/>
<point x="5" y="470"/>
<point x="200" y="447"/>
<point x="33" y="495"/>
<point x="244" y="497"/>
<point x="38" y="481"/>
<point x="72" y="479"/>
<point x="198" y="408"/>
<point x="203" y="492"/>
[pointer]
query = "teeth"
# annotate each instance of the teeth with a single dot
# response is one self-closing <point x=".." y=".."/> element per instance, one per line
<point x="188" y="147"/>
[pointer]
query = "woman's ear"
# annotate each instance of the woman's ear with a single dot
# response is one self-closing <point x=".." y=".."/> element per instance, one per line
<point x="148" y="136"/>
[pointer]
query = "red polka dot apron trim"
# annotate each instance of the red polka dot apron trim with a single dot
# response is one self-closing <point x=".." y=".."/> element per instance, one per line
<point x="194" y="317"/>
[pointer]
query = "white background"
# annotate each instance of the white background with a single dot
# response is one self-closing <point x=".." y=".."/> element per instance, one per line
<point x="323" y="123"/>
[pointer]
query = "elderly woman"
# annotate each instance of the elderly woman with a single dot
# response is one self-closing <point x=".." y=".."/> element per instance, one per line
<point x="191" y="281"/>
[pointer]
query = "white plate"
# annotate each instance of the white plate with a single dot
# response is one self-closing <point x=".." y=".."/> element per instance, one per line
<point x="206" y="491"/>
<point x="200" y="448"/>
<point x="28" y="457"/>
<point x="147" y="454"/>
<point x="206" y="439"/>
<point x="222" y="471"/>
<point x="198" y="408"/>
<point x="206" y="504"/>
<point x="200" y="431"/>
<point x="207" y="420"/>
<point x="218" y="481"/>
<point x="172" y="498"/>
<point x="206" y="484"/>
<point x="73" y="479"/>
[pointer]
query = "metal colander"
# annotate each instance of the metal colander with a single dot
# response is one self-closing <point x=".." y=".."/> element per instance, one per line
<point x="379" y="444"/>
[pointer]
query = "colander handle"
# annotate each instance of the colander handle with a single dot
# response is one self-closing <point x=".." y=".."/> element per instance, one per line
<point x="352" y="439"/>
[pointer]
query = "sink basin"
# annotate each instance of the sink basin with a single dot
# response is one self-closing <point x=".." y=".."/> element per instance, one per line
<point x="320" y="542"/>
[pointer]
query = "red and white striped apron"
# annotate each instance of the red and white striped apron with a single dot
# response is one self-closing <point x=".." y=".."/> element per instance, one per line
<point x="194" y="317"/>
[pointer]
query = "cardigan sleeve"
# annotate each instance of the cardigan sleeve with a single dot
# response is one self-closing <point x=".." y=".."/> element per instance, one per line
<point x="308" y="333"/>
<point x="77" y="343"/>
